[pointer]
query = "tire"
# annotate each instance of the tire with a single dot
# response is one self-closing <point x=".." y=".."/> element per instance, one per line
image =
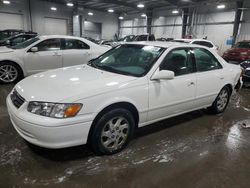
<point x="221" y="101"/>
<point x="10" y="73"/>
<point x="112" y="132"/>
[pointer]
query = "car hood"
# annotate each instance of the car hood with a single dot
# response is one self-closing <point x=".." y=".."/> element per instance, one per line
<point x="70" y="84"/>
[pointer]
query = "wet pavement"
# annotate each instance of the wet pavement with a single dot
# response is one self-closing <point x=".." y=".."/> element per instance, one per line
<point x="195" y="150"/>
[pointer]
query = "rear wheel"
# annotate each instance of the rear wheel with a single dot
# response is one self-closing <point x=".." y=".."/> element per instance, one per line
<point x="9" y="73"/>
<point x="221" y="102"/>
<point x="112" y="132"/>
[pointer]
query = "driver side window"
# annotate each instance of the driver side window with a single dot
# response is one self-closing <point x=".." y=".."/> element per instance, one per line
<point x="49" y="45"/>
<point x="178" y="61"/>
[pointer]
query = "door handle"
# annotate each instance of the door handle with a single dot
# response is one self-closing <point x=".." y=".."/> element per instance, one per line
<point x="191" y="83"/>
<point x="57" y="54"/>
<point x="222" y="78"/>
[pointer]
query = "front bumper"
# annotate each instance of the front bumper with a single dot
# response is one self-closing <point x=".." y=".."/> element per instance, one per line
<point x="48" y="132"/>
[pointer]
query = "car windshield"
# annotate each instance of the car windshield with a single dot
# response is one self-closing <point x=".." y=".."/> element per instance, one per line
<point x="243" y="45"/>
<point x="26" y="43"/>
<point x="129" y="59"/>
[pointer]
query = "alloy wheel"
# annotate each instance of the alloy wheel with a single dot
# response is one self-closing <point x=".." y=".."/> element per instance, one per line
<point x="115" y="133"/>
<point x="222" y="100"/>
<point x="8" y="73"/>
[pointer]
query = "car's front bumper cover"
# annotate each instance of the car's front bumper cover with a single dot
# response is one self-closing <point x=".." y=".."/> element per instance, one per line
<point x="51" y="134"/>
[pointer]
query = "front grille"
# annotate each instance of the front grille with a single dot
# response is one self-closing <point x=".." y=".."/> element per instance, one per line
<point x="17" y="99"/>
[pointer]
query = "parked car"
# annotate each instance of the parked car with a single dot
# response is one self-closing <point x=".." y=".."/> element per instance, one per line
<point x="133" y="38"/>
<point x="91" y="39"/>
<point x="240" y="52"/>
<point x="105" y="42"/>
<point x="43" y="53"/>
<point x="11" y="32"/>
<point x="127" y="38"/>
<point x="144" y="37"/>
<point x="201" y="42"/>
<point x="130" y="86"/>
<point x="246" y="72"/>
<point x="16" y="39"/>
<point x="164" y="39"/>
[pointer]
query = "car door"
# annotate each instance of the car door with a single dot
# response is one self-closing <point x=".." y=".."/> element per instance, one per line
<point x="209" y="76"/>
<point x="48" y="56"/>
<point x="170" y="97"/>
<point x="75" y="52"/>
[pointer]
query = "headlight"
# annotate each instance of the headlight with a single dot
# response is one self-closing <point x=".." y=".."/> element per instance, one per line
<point x="54" y="110"/>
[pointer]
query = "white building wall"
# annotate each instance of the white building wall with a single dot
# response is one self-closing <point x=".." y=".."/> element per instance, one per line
<point x="205" y="26"/>
<point x="19" y="8"/>
<point x="41" y="10"/>
<point x="244" y="31"/>
<point x="109" y="22"/>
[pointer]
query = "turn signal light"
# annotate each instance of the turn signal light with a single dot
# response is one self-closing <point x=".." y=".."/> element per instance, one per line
<point x="72" y="110"/>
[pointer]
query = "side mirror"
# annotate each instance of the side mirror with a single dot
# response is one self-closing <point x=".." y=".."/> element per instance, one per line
<point x="163" y="75"/>
<point x="34" y="49"/>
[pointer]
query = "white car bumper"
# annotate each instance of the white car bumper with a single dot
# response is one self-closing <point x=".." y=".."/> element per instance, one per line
<point x="51" y="133"/>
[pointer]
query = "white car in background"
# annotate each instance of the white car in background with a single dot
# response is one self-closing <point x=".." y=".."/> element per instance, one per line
<point x="201" y="42"/>
<point x="44" y="53"/>
<point x="130" y="86"/>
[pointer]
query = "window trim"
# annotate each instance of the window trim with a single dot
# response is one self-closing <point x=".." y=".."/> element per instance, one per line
<point x="190" y="58"/>
<point x="194" y="59"/>
<point x="63" y="44"/>
<point x="35" y="45"/>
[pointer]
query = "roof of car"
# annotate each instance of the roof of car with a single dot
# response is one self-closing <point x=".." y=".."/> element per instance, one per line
<point x="58" y="36"/>
<point x="191" y="40"/>
<point x="164" y="44"/>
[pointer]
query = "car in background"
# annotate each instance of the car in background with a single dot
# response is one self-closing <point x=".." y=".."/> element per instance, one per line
<point x="238" y="53"/>
<point x="44" y="53"/>
<point x="16" y="39"/>
<point x="134" y="38"/>
<point x="201" y="42"/>
<point x="246" y="72"/>
<point x="127" y="38"/>
<point x="12" y="32"/>
<point x="105" y="42"/>
<point x="144" y="37"/>
<point x="164" y="39"/>
<point x="91" y="39"/>
<point x="130" y="86"/>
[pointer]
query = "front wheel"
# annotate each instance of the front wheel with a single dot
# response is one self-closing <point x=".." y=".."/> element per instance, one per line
<point x="221" y="102"/>
<point x="112" y="132"/>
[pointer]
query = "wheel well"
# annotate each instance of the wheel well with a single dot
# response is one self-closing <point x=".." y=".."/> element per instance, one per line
<point x="8" y="61"/>
<point x="230" y="87"/>
<point x="126" y="105"/>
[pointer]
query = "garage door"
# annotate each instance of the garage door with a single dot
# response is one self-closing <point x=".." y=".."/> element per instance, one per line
<point x="92" y="29"/>
<point x="55" y="26"/>
<point x="11" y="21"/>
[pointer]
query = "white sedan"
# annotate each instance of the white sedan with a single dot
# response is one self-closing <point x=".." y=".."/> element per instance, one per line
<point x="130" y="86"/>
<point x="44" y="53"/>
<point x="201" y="42"/>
